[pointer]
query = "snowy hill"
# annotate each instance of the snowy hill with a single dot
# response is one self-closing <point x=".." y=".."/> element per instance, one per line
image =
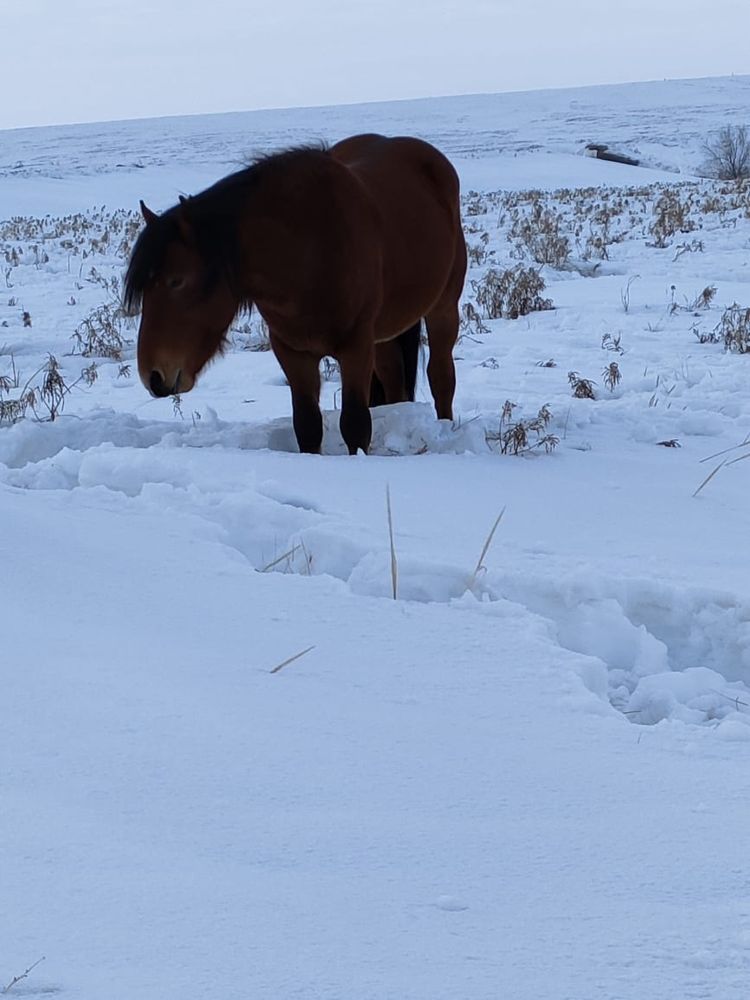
<point x="232" y="764"/>
<point x="499" y="140"/>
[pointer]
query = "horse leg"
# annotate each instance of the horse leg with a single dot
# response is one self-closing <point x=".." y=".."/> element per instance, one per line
<point x="396" y="363"/>
<point x="442" y="334"/>
<point x="377" y="392"/>
<point x="356" y="365"/>
<point x="389" y="368"/>
<point x="302" y="371"/>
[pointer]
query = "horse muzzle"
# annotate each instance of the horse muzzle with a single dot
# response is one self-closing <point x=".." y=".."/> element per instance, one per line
<point x="160" y="387"/>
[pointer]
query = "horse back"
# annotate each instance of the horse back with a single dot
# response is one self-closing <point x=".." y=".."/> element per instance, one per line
<point x="393" y="168"/>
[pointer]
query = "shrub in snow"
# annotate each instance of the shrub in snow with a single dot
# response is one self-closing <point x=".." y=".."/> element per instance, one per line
<point x="470" y="321"/>
<point x="475" y="204"/>
<point x="101" y="334"/>
<point x="516" y="437"/>
<point x="252" y="335"/>
<point x="44" y="393"/>
<point x="734" y="329"/>
<point x="612" y="376"/>
<point x="582" y="388"/>
<point x="671" y="215"/>
<point x="478" y="252"/>
<point x="728" y="154"/>
<point x="538" y="233"/>
<point x="511" y="293"/>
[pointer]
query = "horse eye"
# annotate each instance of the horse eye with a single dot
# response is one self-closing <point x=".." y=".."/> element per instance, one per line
<point x="176" y="282"/>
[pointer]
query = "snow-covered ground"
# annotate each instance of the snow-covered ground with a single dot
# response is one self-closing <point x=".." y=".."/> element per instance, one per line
<point x="527" y="776"/>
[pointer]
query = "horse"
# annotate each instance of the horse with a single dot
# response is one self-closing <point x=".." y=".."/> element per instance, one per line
<point x="343" y="250"/>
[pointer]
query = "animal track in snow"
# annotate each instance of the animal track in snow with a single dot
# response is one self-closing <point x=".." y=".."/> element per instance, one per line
<point x="655" y="651"/>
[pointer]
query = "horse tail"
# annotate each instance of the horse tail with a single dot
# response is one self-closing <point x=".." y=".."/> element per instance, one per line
<point x="408" y="343"/>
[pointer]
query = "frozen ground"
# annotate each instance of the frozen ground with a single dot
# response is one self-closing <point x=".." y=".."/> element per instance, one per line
<point x="525" y="779"/>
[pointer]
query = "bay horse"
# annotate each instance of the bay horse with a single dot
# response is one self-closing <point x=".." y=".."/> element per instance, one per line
<point x="342" y="249"/>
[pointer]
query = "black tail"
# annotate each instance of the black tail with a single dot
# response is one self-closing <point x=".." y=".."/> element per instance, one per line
<point x="409" y="342"/>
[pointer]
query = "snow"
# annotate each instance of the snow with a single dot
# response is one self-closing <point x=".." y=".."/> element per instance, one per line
<point x="527" y="775"/>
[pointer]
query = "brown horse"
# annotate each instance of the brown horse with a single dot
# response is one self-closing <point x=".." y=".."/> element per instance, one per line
<point x="342" y="250"/>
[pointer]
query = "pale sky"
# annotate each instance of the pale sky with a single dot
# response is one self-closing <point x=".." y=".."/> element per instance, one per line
<point x="91" y="60"/>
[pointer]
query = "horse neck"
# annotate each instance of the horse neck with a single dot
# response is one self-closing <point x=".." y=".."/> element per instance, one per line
<point x="263" y="231"/>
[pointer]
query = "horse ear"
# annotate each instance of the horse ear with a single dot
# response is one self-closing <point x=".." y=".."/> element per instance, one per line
<point x="147" y="214"/>
<point x="183" y="220"/>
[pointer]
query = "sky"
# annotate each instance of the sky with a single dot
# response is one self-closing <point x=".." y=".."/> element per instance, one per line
<point x="97" y="60"/>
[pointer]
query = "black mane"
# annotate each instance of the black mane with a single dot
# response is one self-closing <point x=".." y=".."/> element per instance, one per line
<point x="212" y="216"/>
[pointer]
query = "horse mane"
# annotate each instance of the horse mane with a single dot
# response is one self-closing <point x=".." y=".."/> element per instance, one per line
<point x="212" y="218"/>
<point x="268" y="163"/>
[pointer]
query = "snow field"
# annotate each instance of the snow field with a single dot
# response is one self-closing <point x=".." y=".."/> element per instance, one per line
<point x="526" y="778"/>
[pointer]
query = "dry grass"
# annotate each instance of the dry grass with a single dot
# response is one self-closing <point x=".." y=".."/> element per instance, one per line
<point x="510" y="294"/>
<point x="288" y="556"/>
<point x="480" y="567"/>
<point x="709" y="477"/>
<point x="470" y="320"/>
<point x="23" y="975"/>
<point x="539" y="233"/>
<point x="44" y="393"/>
<point x="251" y="335"/>
<point x="613" y="342"/>
<point x="671" y="216"/>
<point x="612" y="376"/>
<point x="583" y="388"/>
<point x="290" y="659"/>
<point x="734" y="329"/>
<point x="724" y="461"/>
<point x="101" y="334"/>
<point x="625" y="292"/>
<point x="394" y="560"/>
<point x="517" y="437"/>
